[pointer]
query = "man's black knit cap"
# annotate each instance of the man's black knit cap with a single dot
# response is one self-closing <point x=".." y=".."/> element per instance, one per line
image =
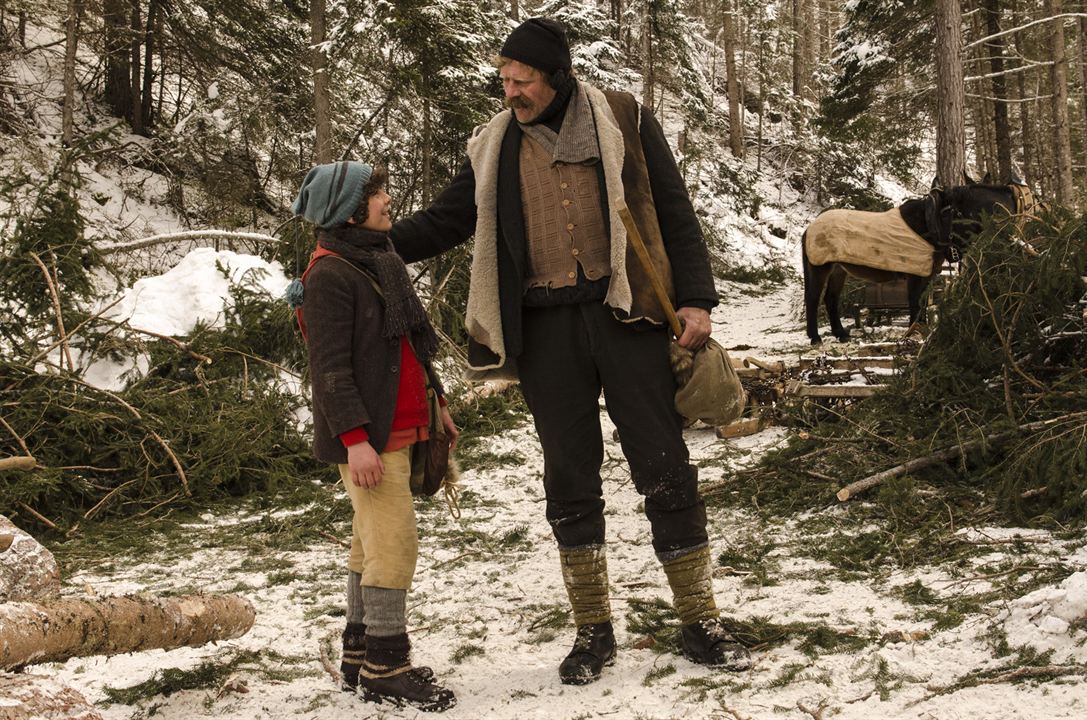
<point x="540" y="43"/>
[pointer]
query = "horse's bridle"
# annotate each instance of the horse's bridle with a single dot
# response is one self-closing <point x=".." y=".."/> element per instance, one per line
<point x="941" y="240"/>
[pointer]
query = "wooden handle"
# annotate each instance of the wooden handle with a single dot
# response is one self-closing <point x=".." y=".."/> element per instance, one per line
<point x="635" y="239"/>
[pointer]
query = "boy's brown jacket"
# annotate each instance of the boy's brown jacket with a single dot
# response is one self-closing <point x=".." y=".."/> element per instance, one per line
<point x="354" y="370"/>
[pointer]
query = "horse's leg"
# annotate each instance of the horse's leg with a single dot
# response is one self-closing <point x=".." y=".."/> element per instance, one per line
<point x="835" y="283"/>
<point x="915" y="287"/>
<point x="815" y="277"/>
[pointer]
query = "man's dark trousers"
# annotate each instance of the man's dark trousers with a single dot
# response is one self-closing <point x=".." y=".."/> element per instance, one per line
<point x="570" y="353"/>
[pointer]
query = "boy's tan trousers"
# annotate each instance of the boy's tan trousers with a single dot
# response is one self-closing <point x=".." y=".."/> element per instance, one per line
<point x="384" y="540"/>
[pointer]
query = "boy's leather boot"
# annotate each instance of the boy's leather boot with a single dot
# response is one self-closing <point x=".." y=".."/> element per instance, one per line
<point x="585" y="573"/>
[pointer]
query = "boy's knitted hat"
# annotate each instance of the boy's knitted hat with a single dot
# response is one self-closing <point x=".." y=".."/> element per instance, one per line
<point x="331" y="193"/>
<point x="540" y="43"/>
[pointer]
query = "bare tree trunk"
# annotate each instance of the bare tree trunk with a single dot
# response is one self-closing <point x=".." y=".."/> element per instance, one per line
<point x="118" y="58"/>
<point x="55" y="631"/>
<point x="950" y="134"/>
<point x="1083" y="64"/>
<point x="515" y="10"/>
<point x="136" y="32"/>
<point x="150" y="38"/>
<point x="797" y="40"/>
<point x="71" y="31"/>
<point x="428" y="146"/>
<point x="1062" y="149"/>
<point x="809" y="18"/>
<point x="649" y="81"/>
<point x="735" y="122"/>
<point x="1026" y="134"/>
<point x="321" y="86"/>
<point x="1000" y="91"/>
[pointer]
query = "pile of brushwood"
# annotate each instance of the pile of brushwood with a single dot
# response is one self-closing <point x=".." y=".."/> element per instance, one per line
<point x="209" y="415"/>
<point x="988" y="424"/>
<point x="212" y="415"/>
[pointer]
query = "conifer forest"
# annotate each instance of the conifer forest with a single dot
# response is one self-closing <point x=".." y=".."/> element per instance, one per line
<point x="897" y="520"/>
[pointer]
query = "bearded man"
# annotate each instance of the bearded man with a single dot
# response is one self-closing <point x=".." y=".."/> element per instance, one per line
<point x="558" y="300"/>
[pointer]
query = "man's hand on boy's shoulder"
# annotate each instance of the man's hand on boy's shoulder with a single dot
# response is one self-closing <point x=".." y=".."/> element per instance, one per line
<point x="365" y="464"/>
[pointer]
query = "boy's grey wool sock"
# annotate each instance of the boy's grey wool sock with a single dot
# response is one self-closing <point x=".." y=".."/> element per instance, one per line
<point x="386" y="611"/>
<point x="354" y="597"/>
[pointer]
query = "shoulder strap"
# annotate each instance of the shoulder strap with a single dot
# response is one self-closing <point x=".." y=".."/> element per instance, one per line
<point x="317" y="254"/>
<point x="365" y="274"/>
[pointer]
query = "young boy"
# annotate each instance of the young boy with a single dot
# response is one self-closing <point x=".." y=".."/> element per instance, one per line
<point x="370" y="347"/>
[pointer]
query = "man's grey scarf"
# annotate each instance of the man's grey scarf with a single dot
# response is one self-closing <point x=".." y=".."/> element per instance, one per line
<point x="404" y="314"/>
<point x="575" y="142"/>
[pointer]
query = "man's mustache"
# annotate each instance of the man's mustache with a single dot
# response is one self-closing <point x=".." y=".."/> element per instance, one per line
<point x="518" y="103"/>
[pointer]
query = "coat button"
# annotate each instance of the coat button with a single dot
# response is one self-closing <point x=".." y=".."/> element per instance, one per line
<point x="394" y="368"/>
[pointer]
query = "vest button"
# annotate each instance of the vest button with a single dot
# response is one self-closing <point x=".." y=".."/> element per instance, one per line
<point x="566" y="203"/>
<point x="564" y="185"/>
<point x="575" y="251"/>
<point x="571" y="275"/>
<point x="569" y="226"/>
<point x="393" y="369"/>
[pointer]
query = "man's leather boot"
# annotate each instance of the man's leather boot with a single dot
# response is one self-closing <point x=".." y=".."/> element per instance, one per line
<point x="585" y="574"/>
<point x="594" y="647"/>
<point x="707" y="642"/>
<point x="386" y="676"/>
<point x="703" y="638"/>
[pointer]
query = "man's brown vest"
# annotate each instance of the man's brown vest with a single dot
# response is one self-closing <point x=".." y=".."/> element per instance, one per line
<point x="564" y="222"/>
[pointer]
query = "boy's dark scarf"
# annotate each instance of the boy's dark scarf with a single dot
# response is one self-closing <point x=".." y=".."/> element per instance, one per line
<point x="404" y="314"/>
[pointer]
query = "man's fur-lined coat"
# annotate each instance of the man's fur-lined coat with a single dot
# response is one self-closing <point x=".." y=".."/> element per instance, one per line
<point x="484" y="200"/>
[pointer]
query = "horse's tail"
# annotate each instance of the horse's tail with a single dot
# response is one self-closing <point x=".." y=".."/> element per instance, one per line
<point x="804" y="262"/>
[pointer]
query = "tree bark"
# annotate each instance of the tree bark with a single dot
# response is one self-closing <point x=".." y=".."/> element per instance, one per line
<point x="1083" y="64"/>
<point x="1001" y="126"/>
<point x="797" y="36"/>
<point x="1026" y="133"/>
<point x="950" y="95"/>
<point x="28" y="570"/>
<point x="1062" y="144"/>
<point x="32" y="633"/>
<point x="28" y="696"/>
<point x="735" y="121"/>
<point x="150" y="40"/>
<point x="136" y="32"/>
<point x="118" y="58"/>
<point x="321" y="84"/>
<point x="649" y="80"/>
<point x="71" y="31"/>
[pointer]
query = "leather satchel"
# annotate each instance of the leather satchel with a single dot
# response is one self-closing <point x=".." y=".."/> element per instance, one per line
<point x="430" y="458"/>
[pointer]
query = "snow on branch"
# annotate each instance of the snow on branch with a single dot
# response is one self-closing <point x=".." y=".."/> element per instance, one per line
<point x="1022" y="27"/>
<point x="110" y="248"/>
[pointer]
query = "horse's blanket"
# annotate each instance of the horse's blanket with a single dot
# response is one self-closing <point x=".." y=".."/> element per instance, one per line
<point x="876" y="240"/>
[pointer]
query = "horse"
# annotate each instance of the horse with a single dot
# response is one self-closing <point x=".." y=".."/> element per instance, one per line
<point x="910" y="241"/>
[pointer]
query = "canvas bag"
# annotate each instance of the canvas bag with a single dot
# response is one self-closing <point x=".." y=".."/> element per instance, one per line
<point x="708" y="387"/>
<point x="712" y="391"/>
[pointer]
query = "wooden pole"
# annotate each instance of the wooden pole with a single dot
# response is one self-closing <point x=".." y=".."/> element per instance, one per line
<point x="635" y="238"/>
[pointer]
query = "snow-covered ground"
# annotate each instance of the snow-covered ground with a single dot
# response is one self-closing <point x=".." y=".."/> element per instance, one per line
<point x="488" y="589"/>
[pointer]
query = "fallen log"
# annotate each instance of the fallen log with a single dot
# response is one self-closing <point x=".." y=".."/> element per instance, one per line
<point x="28" y="570"/>
<point x="55" y="631"/>
<point x="25" y="696"/>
